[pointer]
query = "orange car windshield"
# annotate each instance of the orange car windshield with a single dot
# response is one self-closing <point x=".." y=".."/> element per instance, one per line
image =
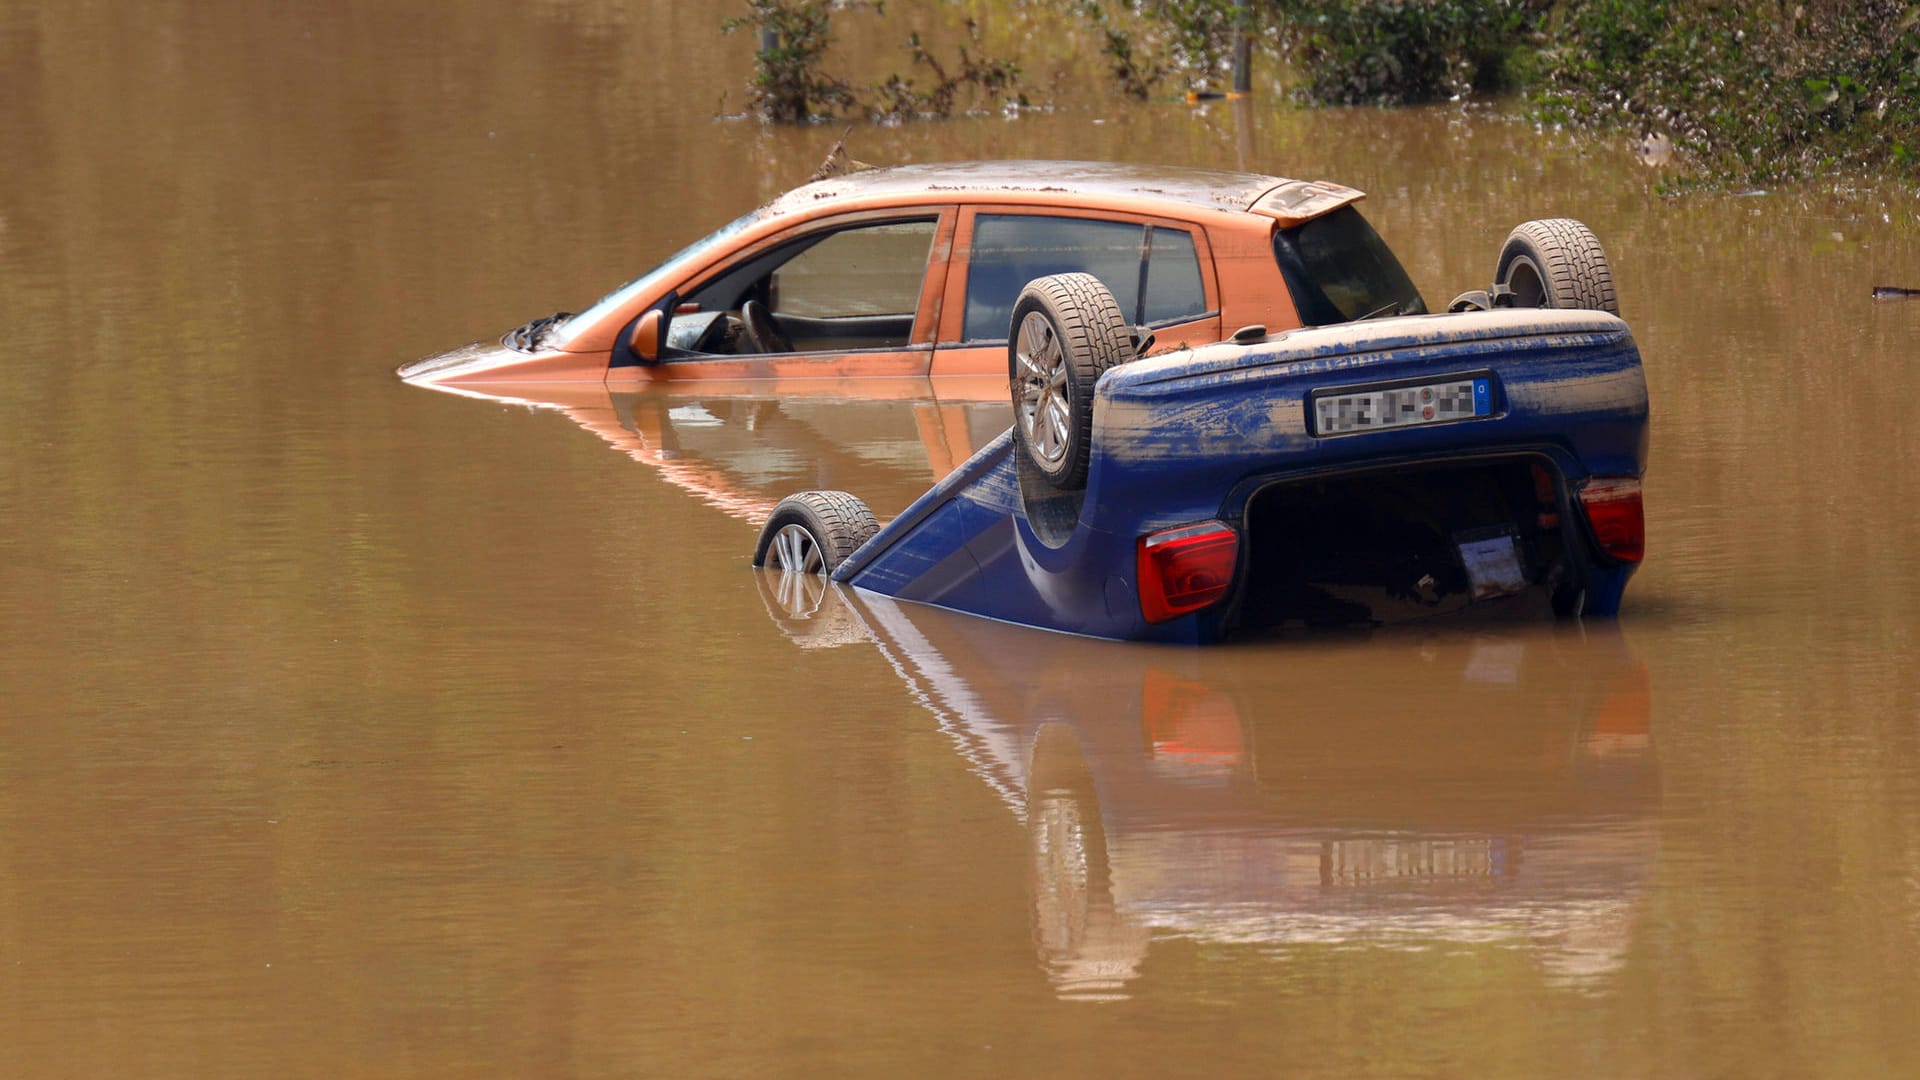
<point x="675" y="265"/>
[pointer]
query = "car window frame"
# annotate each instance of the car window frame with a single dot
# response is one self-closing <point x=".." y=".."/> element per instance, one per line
<point x="814" y="230"/>
<point x="597" y="314"/>
<point x="959" y="273"/>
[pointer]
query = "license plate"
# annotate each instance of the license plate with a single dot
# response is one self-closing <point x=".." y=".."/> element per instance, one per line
<point x="1493" y="565"/>
<point x="1361" y="409"/>
<point x="1364" y="862"/>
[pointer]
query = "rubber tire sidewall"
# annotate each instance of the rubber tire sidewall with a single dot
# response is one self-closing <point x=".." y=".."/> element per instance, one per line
<point x="838" y="522"/>
<point x="1569" y="261"/>
<point x="1092" y="333"/>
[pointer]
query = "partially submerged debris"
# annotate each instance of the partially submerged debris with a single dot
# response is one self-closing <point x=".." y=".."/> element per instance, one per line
<point x="1654" y="150"/>
<point x="838" y="162"/>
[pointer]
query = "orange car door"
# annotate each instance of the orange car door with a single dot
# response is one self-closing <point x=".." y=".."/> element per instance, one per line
<point x="1160" y="272"/>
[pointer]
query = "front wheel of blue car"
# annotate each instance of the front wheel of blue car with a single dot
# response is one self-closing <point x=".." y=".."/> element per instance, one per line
<point x="1066" y="330"/>
<point x="812" y="532"/>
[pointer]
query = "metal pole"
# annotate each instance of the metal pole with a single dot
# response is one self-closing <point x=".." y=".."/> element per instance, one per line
<point x="1242" y="49"/>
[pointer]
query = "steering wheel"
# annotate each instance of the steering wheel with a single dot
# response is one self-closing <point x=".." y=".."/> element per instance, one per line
<point x="762" y="333"/>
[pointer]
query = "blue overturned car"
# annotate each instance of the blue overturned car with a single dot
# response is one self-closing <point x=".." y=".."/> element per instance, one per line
<point x="1367" y="471"/>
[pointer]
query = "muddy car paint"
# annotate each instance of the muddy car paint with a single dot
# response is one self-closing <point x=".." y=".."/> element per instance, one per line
<point x="1193" y="436"/>
<point x="1230" y="217"/>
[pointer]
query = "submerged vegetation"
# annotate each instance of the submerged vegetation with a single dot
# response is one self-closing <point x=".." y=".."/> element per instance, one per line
<point x="790" y="83"/>
<point x="976" y="74"/>
<point x="1348" y="52"/>
<point x="1741" y="92"/>
<point x="1750" y="92"/>
<point x="1387" y="52"/>
<point x="1732" y="92"/>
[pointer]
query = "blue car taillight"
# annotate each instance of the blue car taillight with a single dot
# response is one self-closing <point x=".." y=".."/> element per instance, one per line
<point x="1185" y="569"/>
<point x="1614" y="510"/>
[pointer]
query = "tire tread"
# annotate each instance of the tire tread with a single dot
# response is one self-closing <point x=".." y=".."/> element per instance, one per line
<point x="1094" y="335"/>
<point x="840" y="522"/>
<point x="1577" y="274"/>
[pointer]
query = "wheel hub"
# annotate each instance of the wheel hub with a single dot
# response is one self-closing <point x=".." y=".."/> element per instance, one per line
<point x="1044" y="411"/>
<point x="794" y="549"/>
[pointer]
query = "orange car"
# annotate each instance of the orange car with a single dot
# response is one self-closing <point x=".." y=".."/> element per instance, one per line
<point x="914" y="270"/>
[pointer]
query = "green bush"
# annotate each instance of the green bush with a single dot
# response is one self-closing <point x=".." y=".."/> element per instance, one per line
<point x="1345" y="51"/>
<point x="1399" y="52"/>
<point x="1747" y="93"/>
<point x="898" y="98"/>
<point x="789" y="86"/>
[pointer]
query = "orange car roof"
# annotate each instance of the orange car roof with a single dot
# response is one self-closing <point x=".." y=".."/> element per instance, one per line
<point x="1078" y="183"/>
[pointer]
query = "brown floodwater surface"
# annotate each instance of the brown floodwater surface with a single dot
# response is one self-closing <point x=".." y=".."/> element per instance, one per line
<point x="349" y="729"/>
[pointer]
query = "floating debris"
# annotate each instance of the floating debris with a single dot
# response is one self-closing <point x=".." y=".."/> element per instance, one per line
<point x="838" y="161"/>
<point x="1654" y="150"/>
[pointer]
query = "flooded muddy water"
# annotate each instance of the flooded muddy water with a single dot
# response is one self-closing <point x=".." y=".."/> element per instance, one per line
<point x="352" y="729"/>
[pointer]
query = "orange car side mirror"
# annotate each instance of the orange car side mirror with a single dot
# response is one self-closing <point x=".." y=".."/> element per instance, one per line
<point x="645" y="341"/>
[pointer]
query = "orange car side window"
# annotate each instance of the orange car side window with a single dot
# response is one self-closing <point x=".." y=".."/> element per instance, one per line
<point x="871" y="271"/>
<point x="842" y="290"/>
<point x="1172" y="291"/>
<point x="1154" y="272"/>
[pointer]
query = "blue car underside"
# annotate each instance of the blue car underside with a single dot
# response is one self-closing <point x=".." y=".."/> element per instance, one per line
<point x="1354" y="475"/>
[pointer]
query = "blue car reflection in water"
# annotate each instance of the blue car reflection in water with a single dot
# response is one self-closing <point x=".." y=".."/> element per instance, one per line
<point x="1500" y="790"/>
<point x="1497" y="789"/>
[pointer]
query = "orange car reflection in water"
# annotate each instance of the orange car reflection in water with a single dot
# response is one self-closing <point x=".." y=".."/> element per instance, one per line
<point x="1189" y="725"/>
<point x="1503" y="794"/>
<point x="742" y="446"/>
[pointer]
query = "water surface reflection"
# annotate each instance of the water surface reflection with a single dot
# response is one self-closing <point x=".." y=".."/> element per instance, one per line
<point x="1499" y="788"/>
<point x="742" y="447"/>
<point x="479" y="735"/>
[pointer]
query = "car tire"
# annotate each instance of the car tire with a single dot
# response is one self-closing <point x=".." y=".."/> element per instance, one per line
<point x="1066" y="330"/>
<point x="1085" y="941"/>
<point x="812" y="532"/>
<point x="1556" y="263"/>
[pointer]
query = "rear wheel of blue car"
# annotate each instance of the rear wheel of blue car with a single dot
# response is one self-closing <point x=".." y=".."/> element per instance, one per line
<point x="814" y="531"/>
<point x="1556" y="263"/>
<point x="1066" y="330"/>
